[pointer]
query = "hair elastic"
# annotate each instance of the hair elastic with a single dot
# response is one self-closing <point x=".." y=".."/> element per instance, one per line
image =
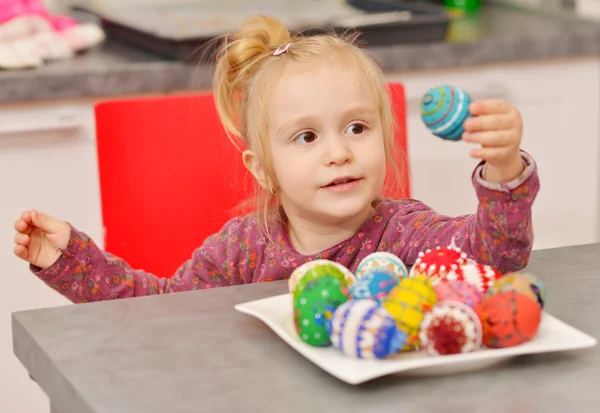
<point x="282" y="49"/>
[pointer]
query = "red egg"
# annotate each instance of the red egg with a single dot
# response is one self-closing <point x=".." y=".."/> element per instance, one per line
<point x="435" y="264"/>
<point x="480" y="275"/>
<point x="508" y="319"/>
<point x="450" y="328"/>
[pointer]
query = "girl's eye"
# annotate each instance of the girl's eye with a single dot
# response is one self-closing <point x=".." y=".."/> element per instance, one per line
<point x="355" y="129"/>
<point x="306" y="137"/>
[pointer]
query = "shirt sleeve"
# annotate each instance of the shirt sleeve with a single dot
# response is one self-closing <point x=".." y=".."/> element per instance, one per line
<point x="499" y="233"/>
<point x="85" y="273"/>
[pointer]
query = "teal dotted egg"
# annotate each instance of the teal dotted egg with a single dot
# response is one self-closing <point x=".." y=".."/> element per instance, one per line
<point x="444" y="110"/>
<point x="374" y="285"/>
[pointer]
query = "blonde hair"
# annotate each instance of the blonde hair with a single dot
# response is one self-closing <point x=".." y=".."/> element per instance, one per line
<point x="245" y="73"/>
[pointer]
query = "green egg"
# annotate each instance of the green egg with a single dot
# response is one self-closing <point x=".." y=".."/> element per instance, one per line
<point x="317" y="271"/>
<point x="314" y="304"/>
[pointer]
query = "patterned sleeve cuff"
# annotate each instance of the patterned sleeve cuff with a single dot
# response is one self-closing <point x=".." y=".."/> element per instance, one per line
<point x="76" y="240"/>
<point x="529" y="164"/>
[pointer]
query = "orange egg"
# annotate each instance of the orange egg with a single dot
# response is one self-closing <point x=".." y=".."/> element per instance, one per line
<point x="509" y="318"/>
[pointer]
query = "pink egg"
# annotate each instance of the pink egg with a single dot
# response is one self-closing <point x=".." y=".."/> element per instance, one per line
<point x="459" y="291"/>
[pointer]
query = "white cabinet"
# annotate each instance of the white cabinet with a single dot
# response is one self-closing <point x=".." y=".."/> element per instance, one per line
<point x="50" y="166"/>
<point x="48" y="161"/>
<point x="560" y="105"/>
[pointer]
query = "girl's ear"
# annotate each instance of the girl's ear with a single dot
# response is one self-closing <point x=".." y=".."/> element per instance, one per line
<point x="254" y="166"/>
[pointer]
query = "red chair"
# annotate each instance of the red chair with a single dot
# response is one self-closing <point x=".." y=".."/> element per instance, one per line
<point x="169" y="176"/>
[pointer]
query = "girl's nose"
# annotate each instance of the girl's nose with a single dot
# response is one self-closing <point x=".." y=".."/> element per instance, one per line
<point x="337" y="152"/>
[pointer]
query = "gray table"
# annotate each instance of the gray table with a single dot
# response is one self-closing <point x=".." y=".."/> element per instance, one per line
<point x="192" y="352"/>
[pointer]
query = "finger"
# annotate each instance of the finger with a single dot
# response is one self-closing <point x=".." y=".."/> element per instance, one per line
<point x="490" y="138"/>
<point x="22" y="239"/>
<point x="45" y="222"/>
<point x="489" y="107"/>
<point x="20" y="251"/>
<point x="26" y="216"/>
<point x="493" y="155"/>
<point x="489" y="123"/>
<point x="21" y="226"/>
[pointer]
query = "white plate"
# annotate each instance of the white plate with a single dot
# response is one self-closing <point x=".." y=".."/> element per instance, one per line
<point x="276" y="312"/>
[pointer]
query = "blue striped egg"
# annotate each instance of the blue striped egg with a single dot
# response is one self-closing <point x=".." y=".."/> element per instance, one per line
<point x="444" y="110"/>
<point x="364" y="329"/>
<point x="382" y="261"/>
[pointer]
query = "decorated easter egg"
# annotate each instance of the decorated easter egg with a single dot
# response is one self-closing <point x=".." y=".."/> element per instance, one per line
<point x="364" y="329"/>
<point x="435" y="264"/>
<point x="314" y="304"/>
<point x="458" y="291"/>
<point x="407" y="303"/>
<point x="444" y="110"/>
<point x="316" y="268"/>
<point x="527" y="284"/>
<point x="480" y="275"/>
<point x="450" y="328"/>
<point x="508" y="319"/>
<point x="382" y="261"/>
<point x="373" y="285"/>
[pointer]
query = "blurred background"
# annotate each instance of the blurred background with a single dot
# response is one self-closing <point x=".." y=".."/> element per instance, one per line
<point x="58" y="58"/>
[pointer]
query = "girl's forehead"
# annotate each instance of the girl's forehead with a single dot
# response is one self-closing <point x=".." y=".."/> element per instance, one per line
<point x="313" y="83"/>
<point x="318" y="69"/>
<point x="318" y="96"/>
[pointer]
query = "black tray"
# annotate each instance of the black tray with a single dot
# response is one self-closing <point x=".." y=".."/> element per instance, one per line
<point x="428" y="22"/>
<point x="380" y="22"/>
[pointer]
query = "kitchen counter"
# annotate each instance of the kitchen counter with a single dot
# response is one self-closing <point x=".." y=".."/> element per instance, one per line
<point x="498" y="34"/>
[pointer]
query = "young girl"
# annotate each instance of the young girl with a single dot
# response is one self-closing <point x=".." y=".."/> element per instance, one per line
<point x="315" y="119"/>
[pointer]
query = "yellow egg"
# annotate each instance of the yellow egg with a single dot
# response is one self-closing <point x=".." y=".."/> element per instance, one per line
<point x="408" y="303"/>
<point x="525" y="283"/>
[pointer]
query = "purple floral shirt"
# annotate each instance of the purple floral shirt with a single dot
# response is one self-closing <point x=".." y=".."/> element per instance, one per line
<point x="499" y="233"/>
